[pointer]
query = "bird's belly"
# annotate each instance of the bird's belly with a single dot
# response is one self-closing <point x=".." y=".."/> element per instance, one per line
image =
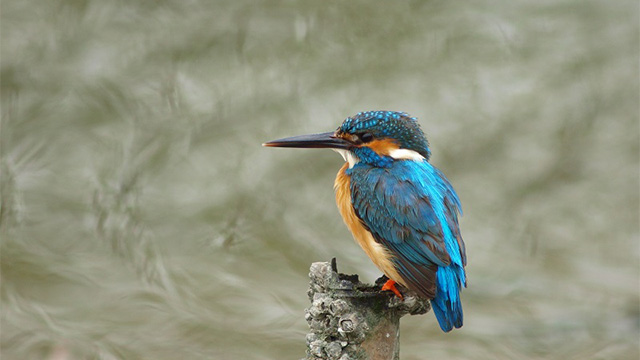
<point x="376" y="252"/>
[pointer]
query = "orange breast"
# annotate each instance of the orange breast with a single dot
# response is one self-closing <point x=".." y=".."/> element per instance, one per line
<point x="376" y="252"/>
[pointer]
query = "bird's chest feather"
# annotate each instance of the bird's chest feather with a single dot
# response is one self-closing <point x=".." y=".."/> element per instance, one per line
<point x="376" y="252"/>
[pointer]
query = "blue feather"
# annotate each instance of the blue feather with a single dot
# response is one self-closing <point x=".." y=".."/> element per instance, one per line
<point x="447" y="305"/>
<point x="411" y="209"/>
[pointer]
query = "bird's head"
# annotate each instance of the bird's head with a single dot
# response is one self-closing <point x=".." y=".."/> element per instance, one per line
<point x="373" y="137"/>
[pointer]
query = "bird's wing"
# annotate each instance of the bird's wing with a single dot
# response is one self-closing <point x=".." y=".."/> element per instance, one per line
<point x="412" y="210"/>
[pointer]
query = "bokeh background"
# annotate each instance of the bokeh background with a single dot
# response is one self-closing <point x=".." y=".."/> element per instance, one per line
<point x="141" y="218"/>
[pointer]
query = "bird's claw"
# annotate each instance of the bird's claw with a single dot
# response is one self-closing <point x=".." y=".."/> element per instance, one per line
<point x="390" y="285"/>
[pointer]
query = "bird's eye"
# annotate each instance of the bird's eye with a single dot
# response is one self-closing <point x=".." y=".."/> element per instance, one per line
<point x="366" y="137"/>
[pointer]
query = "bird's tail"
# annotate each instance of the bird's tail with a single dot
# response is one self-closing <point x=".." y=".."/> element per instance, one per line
<point x="447" y="305"/>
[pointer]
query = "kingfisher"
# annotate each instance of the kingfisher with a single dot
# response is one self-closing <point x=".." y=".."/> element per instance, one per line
<point x="400" y="209"/>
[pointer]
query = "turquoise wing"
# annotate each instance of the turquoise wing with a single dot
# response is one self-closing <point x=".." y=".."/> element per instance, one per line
<point x="412" y="210"/>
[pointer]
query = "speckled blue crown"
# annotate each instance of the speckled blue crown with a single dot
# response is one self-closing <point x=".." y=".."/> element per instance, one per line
<point x="399" y="126"/>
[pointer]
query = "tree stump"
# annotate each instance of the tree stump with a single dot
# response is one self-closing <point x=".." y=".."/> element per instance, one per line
<point x="350" y="320"/>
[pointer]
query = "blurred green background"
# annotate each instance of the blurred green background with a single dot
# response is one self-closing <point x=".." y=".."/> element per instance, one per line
<point x="141" y="218"/>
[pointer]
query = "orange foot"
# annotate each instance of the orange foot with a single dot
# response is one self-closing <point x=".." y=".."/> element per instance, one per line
<point x="391" y="285"/>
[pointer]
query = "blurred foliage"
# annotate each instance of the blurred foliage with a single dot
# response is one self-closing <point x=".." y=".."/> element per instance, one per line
<point x="141" y="219"/>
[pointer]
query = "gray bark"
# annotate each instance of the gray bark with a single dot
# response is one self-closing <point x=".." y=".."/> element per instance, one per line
<point x="350" y="320"/>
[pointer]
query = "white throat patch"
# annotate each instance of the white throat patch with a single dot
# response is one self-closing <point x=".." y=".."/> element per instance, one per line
<point x="348" y="156"/>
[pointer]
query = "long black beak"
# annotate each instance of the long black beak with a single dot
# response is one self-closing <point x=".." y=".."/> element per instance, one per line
<point x="324" y="140"/>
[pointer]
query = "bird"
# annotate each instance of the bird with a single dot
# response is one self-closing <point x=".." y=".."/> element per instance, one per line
<point x="400" y="209"/>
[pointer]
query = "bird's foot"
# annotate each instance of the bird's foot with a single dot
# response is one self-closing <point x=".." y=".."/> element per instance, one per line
<point x="390" y="285"/>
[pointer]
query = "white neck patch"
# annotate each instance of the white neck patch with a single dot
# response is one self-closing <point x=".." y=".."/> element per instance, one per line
<point x="406" y="154"/>
<point x="398" y="154"/>
<point x="348" y="156"/>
